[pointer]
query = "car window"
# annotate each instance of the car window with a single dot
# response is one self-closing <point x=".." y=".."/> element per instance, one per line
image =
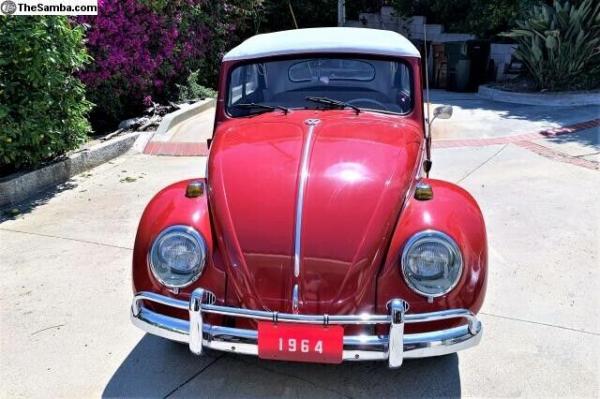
<point x="243" y="82"/>
<point x="372" y="84"/>
<point x="331" y="69"/>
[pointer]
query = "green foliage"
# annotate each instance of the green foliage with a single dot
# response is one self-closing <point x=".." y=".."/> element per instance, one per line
<point x="480" y="17"/>
<point x="229" y="22"/>
<point x="232" y="21"/>
<point x="560" y="45"/>
<point x="42" y="105"/>
<point x="193" y="90"/>
<point x="355" y="7"/>
<point x="308" y="13"/>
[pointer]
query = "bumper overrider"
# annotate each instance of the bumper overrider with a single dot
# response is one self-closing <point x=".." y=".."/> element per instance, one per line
<point x="393" y="347"/>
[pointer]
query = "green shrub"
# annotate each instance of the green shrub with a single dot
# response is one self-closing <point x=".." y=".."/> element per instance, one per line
<point x="483" y="18"/>
<point x="228" y="22"/>
<point x="42" y="105"/>
<point x="192" y="90"/>
<point x="560" y="45"/>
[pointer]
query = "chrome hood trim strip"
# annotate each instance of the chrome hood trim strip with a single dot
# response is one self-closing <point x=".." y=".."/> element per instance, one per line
<point x="303" y="177"/>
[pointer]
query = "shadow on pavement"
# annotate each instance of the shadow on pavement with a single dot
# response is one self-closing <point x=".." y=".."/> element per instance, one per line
<point x="588" y="138"/>
<point x="159" y="368"/>
<point x="11" y="212"/>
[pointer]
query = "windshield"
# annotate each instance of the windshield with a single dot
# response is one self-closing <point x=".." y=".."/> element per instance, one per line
<point x="379" y="85"/>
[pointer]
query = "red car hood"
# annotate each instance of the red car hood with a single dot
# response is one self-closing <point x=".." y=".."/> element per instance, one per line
<point x="359" y="170"/>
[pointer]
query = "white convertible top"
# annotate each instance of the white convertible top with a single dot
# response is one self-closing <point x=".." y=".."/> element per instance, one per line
<point x="324" y="40"/>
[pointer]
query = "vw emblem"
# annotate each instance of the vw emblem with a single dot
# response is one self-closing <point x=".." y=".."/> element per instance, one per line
<point x="311" y="122"/>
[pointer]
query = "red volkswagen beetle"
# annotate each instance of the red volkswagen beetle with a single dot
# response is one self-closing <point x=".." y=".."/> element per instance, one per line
<point x="316" y="235"/>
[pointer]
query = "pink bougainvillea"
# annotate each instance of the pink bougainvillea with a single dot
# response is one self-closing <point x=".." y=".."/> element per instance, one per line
<point x="140" y="51"/>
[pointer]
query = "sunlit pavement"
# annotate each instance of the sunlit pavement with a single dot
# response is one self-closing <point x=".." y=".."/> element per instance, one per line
<point x="476" y="118"/>
<point x="66" y="290"/>
<point x="187" y="138"/>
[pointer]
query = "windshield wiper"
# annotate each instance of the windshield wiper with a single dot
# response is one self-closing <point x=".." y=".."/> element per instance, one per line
<point x="333" y="103"/>
<point x="264" y="107"/>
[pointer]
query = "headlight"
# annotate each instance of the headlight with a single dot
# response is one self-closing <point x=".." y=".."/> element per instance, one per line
<point x="177" y="256"/>
<point x="431" y="263"/>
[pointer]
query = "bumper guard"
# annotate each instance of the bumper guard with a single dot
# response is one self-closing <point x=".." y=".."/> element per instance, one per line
<point x="394" y="347"/>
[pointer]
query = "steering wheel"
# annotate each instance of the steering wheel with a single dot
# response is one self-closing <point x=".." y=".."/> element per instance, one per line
<point x="377" y="104"/>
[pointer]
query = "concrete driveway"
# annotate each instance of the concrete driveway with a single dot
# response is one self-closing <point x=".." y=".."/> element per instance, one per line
<point x="65" y="294"/>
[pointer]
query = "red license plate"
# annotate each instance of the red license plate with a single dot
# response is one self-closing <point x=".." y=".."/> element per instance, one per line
<point x="300" y="342"/>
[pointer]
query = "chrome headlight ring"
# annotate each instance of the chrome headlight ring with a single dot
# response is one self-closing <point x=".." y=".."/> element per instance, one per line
<point x="177" y="256"/>
<point x="447" y="278"/>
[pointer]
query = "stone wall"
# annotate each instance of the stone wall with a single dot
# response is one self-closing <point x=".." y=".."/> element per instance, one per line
<point x="413" y="27"/>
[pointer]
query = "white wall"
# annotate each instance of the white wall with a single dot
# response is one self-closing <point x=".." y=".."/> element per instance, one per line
<point x="501" y="54"/>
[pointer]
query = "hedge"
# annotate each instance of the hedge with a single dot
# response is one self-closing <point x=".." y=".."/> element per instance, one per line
<point x="42" y="105"/>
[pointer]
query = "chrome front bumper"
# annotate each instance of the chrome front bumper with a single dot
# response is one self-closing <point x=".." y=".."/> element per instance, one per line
<point x="394" y="347"/>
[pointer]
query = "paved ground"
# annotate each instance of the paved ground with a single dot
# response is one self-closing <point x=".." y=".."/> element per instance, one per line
<point x="584" y="144"/>
<point x="65" y="292"/>
<point x="187" y="138"/>
<point x="475" y="117"/>
<point x="195" y="129"/>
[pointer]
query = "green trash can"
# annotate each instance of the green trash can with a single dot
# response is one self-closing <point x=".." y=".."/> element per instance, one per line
<point x="459" y="66"/>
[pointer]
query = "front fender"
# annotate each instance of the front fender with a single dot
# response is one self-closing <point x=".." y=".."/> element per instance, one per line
<point x="454" y="212"/>
<point x="171" y="207"/>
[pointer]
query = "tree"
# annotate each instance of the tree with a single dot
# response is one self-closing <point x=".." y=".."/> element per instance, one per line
<point x="483" y="18"/>
<point x="308" y="13"/>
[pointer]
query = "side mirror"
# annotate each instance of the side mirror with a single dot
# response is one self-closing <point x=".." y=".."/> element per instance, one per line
<point x="442" y="112"/>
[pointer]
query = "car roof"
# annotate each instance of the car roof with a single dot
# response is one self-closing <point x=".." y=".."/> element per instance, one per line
<point x="324" y="40"/>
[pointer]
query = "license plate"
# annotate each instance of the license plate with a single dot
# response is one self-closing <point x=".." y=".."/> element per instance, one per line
<point x="300" y="342"/>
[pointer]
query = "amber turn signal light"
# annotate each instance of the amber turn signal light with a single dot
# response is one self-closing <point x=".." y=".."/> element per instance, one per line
<point x="423" y="191"/>
<point x="194" y="189"/>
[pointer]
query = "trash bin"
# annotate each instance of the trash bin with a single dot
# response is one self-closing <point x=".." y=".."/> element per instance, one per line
<point x="459" y="66"/>
<point x="440" y="66"/>
<point x="478" y="52"/>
